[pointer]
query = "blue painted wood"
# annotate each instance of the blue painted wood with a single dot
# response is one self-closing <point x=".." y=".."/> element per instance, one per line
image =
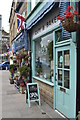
<point x="66" y="101"/>
<point x="28" y="95"/>
<point x="63" y="8"/>
<point x="46" y="8"/>
<point x="33" y="59"/>
<point x="54" y="73"/>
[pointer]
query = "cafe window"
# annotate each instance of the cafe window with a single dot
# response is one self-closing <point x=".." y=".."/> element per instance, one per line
<point x="44" y="58"/>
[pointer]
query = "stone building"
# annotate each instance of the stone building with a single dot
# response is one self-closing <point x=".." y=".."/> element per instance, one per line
<point x="20" y="7"/>
<point x="5" y="45"/>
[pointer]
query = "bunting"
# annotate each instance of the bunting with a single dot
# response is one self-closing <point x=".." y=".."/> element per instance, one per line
<point x="6" y="53"/>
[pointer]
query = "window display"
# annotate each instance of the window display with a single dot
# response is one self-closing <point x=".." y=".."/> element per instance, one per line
<point x="44" y="58"/>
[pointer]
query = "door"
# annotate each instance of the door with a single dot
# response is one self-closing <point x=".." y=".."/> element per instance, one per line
<point x="65" y="97"/>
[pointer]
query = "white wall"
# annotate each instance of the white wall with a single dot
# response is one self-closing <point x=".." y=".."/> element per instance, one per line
<point x="33" y="3"/>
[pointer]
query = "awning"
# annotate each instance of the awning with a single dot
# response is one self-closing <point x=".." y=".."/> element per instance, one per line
<point x="47" y="7"/>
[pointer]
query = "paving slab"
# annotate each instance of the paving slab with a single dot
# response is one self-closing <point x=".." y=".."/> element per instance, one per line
<point x="14" y="103"/>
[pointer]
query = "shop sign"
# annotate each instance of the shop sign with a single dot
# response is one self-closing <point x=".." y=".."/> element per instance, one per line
<point x="49" y="22"/>
<point x="19" y="43"/>
<point x="47" y="25"/>
<point x="33" y="92"/>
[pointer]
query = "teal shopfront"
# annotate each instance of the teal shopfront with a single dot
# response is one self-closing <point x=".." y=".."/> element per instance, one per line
<point x="54" y="61"/>
<point x="65" y="77"/>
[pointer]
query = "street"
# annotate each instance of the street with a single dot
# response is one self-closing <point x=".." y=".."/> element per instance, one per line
<point x="14" y="103"/>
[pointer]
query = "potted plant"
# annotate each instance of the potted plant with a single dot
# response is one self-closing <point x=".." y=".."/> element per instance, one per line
<point x="11" y="69"/>
<point x="70" y="21"/>
<point x="26" y="58"/>
<point x="23" y="54"/>
<point x="24" y="70"/>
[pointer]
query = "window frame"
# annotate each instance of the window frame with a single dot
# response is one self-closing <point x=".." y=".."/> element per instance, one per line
<point x="34" y="57"/>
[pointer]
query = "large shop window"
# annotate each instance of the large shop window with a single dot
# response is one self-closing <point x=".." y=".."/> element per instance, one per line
<point x="44" y="58"/>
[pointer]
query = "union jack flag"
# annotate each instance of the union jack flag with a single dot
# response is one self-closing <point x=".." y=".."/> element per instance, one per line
<point x="20" y="22"/>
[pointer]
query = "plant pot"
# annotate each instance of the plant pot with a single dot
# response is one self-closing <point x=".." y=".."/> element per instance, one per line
<point x="41" y="76"/>
<point x="70" y="25"/>
<point x="11" y="81"/>
<point x="23" y="77"/>
<point x="20" y="60"/>
<point x="22" y="84"/>
<point x="16" y="77"/>
<point x="26" y="60"/>
<point x="11" y="71"/>
<point x="9" y="77"/>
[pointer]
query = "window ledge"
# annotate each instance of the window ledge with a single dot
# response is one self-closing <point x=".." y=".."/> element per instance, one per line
<point x="44" y="81"/>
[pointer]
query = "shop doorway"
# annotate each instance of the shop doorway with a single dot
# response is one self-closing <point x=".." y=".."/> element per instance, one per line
<point x="64" y="82"/>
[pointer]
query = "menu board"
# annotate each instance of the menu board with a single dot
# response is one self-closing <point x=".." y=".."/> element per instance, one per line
<point x="33" y="92"/>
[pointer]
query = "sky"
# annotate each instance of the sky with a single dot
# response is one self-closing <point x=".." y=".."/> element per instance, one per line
<point x="5" y="7"/>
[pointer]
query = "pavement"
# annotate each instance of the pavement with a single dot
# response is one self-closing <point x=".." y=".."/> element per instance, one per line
<point x="13" y="104"/>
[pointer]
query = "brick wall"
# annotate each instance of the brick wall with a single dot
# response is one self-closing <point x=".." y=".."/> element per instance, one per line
<point x="46" y="92"/>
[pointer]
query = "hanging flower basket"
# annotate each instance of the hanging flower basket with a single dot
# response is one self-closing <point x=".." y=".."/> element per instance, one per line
<point x="68" y="22"/>
<point x="70" y="25"/>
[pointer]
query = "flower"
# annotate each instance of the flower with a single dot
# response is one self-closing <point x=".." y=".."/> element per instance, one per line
<point x="62" y="18"/>
<point x="68" y="14"/>
<point x="75" y="12"/>
<point x="65" y="12"/>
<point x="58" y="17"/>
<point x="70" y="7"/>
<point x="67" y="20"/>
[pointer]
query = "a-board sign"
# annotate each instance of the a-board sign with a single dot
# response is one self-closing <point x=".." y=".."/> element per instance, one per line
<point x="33" y="92"/>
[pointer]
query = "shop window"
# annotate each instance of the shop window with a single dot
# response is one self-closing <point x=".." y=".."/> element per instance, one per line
<point x="44" y="58"/>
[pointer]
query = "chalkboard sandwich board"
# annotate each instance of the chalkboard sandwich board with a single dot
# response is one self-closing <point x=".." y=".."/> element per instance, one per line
<point x="33" y="92"/>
